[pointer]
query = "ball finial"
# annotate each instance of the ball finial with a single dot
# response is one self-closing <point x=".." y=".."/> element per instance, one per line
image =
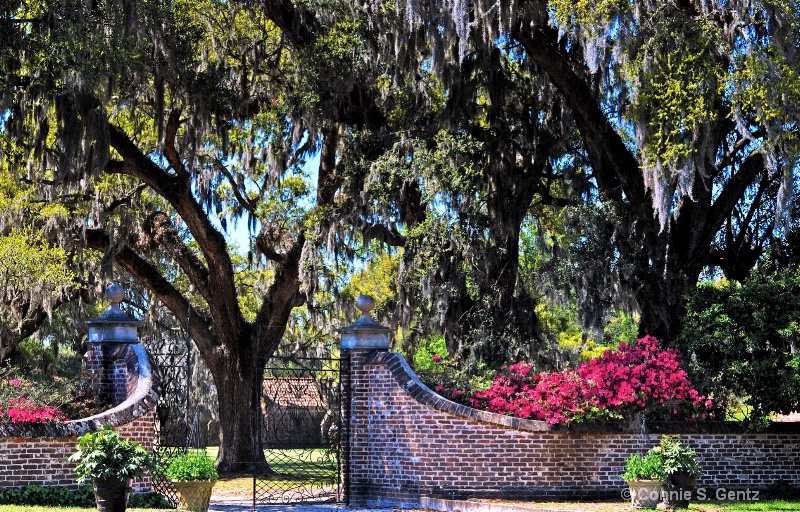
<point x="365" y="303"/>
<point x="115" y="293"/>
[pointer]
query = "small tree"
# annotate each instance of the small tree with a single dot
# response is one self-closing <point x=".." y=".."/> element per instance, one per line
<point x="744" y="342"/>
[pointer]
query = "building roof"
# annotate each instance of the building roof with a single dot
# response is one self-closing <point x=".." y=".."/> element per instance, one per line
<point x="293" y="392"/>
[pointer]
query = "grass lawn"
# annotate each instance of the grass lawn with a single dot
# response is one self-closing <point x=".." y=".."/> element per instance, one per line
<point x="292" y="466"/>
<point x="733" y="506"/>
<point x="708" y="506"/>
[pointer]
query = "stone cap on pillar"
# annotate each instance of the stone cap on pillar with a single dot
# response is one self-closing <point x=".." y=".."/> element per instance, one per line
<point x="115" y="325"/>
<point x="365" y="332"/>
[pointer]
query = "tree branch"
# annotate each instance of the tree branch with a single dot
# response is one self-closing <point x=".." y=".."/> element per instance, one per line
<point x="245" y="202"/>
<point x="161" y="231"/>
<point x="150" y="277"/>
<point x="169" y="145"/>
<point x="733" y="191"/>
<point x="221" y="290"/>
<point x="614" y="165"/>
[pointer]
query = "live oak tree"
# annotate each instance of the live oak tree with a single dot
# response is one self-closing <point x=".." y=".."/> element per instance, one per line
<point x="153" y="125"/>
<point x="440" y="127"/>
<point x="687" y="113"/>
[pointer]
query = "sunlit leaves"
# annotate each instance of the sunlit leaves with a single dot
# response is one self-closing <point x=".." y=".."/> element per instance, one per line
<point x="676" y="81"/>
<point x="587" y="14"/>
<point x="30" y="268"/>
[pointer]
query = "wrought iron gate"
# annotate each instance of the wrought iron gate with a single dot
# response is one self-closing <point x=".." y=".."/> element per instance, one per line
<point x="298" y="429"/>
<point x="175" y="429"/>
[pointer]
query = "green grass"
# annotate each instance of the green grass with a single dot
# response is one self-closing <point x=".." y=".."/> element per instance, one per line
<point x="745" y="506"/>
<point x="707" y="506"/>
<point x="297" y="464"/>
<point x="293" y="467"/>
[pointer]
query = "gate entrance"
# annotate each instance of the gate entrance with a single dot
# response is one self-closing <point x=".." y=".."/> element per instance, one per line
<point x="298" y="425"/>
<point x="175" y="429"/>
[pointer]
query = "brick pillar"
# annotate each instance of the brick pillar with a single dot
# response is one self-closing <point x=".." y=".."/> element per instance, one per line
<point x="110" y="337"/>
<point x="361" y="338"/>
<point x="108" y="372"/>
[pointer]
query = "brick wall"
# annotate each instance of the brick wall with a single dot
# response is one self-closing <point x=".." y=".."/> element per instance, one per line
<point x="43" y="460"/>
<point x="406" y="442"/>
<point x="36" y="453"/>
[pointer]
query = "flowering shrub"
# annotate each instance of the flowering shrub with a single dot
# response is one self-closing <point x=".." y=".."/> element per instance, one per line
<point x="17" y="407"/>
<point x="637" y="378"/>
<point x="22" y="410"/>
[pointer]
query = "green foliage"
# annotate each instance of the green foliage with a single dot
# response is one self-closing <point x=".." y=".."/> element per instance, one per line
<point x="587" y="14"/>
<point x="148" y="500"/>
<point x="62" y="497"/>
<point x="378" y="279"/>
<point x="426" y="351"/>
<point x="104" y="454"/>
<point x="622" y="328"/>
<point x="677" y="458"/>
<point x="741" y="343"/>
<point x="677" y="80"/>
<point x="643" y="467"/>
<point x="48" y="496"/>
<point x="668" y="458"/>
<point x="447" y="375"/>
<point x="191" y="466"/>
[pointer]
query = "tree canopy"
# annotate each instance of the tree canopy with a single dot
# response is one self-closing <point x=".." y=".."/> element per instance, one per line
<point x="637" y="142"/>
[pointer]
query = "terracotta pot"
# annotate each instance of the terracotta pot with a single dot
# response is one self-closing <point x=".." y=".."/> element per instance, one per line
<point x="194" y="496"/>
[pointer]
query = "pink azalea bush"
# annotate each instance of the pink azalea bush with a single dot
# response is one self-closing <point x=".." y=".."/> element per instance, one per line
<point x="17" y="407"/>
<point x="636" y="378"/>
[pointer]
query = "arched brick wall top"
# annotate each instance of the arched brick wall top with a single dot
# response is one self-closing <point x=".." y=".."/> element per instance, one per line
<point x="143" y="392"/>
<point x="409" y="381"/>
<point x="406" y="445"/>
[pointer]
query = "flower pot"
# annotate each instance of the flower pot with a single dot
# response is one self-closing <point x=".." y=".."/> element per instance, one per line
<point x="645" y="493"/>
<point x="111" y="494"/>
<point x="678" y="490"/>
<point x="194" y="496"/>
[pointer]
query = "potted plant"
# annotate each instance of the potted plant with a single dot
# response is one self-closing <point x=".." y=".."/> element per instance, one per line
<point x="193" y="475"/>
<point x="111" y="462"/>
<point x="666" y="473"/>
<point x="681" y="471"/>
<point x="645" y="477"/>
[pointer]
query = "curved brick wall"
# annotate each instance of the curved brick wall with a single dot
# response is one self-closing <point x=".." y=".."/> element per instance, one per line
<point x="36" y="453"/>
<point x="408" y="447"/>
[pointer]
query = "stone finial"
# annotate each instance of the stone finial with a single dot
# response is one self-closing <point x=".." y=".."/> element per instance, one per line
<point x="365" y="303"/>
<point x="115" y="294"/>
<point x="365" y="332"/>
<point x="114" y="326"/>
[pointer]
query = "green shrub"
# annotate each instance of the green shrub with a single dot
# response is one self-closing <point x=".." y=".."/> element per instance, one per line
<point x="678" y="458"/>
<point x="741" y="341"/>
<point x="644" y="467"/>
<point x="63" y="497"/>
<point x="148" y="500"/>
<point x="42" y="496"/>
<point x="191" y="466"/>
<point x="670" y="457"/>
<point x="104" y="454"/>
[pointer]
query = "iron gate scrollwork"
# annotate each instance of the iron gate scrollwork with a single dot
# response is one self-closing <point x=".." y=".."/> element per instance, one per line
<point x="298" y="429"/>
<point x="175" y="429"/>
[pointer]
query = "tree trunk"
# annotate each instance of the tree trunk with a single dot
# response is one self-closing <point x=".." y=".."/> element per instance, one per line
<point x="237" y="387"/>
<point x="669" y="268"/>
